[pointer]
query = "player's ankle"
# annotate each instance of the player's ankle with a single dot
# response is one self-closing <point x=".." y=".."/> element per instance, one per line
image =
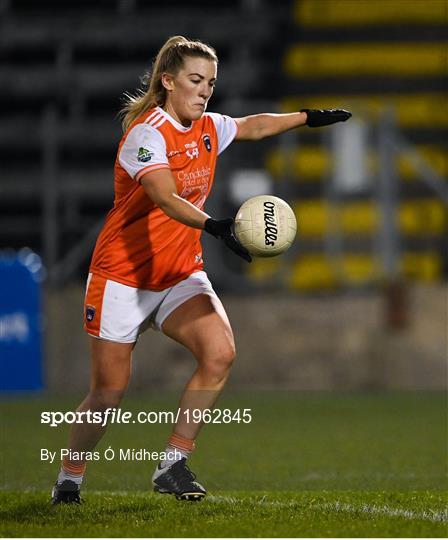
<point x="71" y="471"/>
<point x="178" y="447"/>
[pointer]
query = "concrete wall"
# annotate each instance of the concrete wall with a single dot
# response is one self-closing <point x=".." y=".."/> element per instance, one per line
<point x="290" y="342"/>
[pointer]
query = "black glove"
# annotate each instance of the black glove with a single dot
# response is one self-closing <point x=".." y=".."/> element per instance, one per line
<point x="325" y="117"/>
<point x="222" y="228"/>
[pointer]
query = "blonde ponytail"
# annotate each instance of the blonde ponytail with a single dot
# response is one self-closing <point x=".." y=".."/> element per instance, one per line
<point x="169" y="59"/>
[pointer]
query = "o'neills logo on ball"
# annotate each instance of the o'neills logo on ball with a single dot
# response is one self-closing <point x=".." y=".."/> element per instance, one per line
<point x="270" y="227"/>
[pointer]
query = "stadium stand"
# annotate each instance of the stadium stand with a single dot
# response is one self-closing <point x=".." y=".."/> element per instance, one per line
<point x="366" y="57"/>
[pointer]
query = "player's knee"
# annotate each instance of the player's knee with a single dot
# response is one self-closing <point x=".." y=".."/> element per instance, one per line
<point x="101" y="400"/>
<point x="218" y="364"/>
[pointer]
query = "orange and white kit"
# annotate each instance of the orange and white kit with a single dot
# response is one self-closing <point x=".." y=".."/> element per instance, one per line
<point x="140" y="247"/>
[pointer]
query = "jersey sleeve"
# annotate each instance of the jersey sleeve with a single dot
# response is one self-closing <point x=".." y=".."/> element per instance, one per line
<point x="226" y="130"/>
<point x="143" y="150"/>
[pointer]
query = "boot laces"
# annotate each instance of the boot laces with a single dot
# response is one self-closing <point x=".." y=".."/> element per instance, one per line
<point x="184" y="473"/>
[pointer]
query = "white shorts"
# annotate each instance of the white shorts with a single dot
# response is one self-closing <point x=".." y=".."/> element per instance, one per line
<point x="120" y="313"/>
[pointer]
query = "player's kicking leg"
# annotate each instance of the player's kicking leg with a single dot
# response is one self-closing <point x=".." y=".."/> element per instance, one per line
<point x="111" y="368"/>
<point x="201" y="325"/>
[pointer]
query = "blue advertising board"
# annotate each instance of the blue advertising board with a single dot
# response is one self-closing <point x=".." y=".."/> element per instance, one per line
<point x="20" y="321"/>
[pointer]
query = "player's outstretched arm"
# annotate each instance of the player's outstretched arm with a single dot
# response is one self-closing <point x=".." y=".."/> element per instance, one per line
<point x="160" y="186"/>
<point x="259" y="126"/>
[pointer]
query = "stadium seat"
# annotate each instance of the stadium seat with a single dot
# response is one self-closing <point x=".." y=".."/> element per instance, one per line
<point x="346" y="13"/>
<point x="420" y="217"/>
<point x="312" y="162"/>
<point x="314" y="272"/>
<point x="388" y="59"/>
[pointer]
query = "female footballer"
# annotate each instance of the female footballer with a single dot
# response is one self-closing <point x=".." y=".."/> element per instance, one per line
<point x="147" y="267"/>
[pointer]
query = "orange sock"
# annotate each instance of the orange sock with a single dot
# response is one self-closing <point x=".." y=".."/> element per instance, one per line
<point x="75" y="469"/>
<point x="181" y="443"/>
<point x="71" y="471"/>
<point x="178" y="447"/>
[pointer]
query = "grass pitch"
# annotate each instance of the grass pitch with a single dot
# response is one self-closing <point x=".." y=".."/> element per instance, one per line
<point x="307" y="465"/>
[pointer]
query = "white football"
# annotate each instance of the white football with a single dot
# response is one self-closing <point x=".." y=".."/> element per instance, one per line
<point x="266" y="226"/>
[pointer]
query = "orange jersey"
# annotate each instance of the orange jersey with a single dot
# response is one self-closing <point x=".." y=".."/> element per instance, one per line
<point x="139" y="244"/>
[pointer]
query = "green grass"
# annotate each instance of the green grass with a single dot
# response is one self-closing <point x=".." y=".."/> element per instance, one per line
<point x="273" y="514"/>
<point x="307" y="465"/>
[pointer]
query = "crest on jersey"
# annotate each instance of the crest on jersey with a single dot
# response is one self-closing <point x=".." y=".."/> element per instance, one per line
<point x="90" y="313"/>
<point x="207" y="142"/>
<point x="144" y="155"/>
